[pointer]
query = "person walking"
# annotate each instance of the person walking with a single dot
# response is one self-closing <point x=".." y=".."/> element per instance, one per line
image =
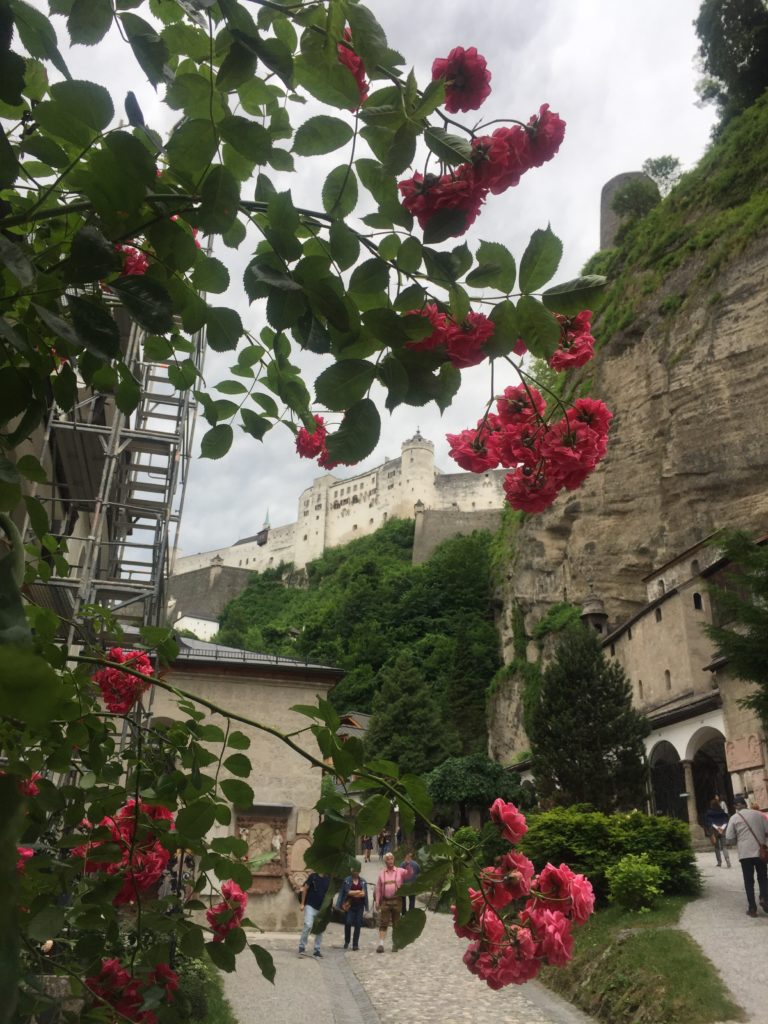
<point x="367" y="843"/>
<point x="381" y="838"/>
<point x="353" y="901"/>
<point x="311" y="900"/>
<point x="749" y="830"/>
<point x="411" y="871"/>
<point x="387" y="899"/>
<point x="716" y="822"/>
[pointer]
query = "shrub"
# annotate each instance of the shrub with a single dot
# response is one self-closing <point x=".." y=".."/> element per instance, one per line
<point x="634" y="882"/>
<point x="591" y="843"/>
<point x="193" y="983"/>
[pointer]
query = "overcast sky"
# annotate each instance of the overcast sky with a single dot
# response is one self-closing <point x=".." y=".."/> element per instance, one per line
<point x="621" y="74"/>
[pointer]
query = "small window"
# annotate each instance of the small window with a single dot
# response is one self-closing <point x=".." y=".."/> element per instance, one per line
<point x="667" y="679"/>
<point x="240" y="562"/>
<point x="657" y="613"/>
<point x="662" y="587"/>
<point x="613" y="650"/>
<point x="640" y="689"/>
<point x="695" y="567"/>
<point x="698" y="604"/>
<point x="246" y="561"/>
<point x="305" y="536"/>
<point x="354" y="527"/>
<point x="629" y="633"/>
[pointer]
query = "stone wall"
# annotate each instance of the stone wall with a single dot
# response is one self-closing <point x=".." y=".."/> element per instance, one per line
<point x="204" y="593"/>
<point x="433" y="527"/>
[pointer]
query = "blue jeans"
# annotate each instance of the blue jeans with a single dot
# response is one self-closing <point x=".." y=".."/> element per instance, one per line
<point x="310" y="913"/>
<point x="721" y="850"/>
<point x="353" y="920"/>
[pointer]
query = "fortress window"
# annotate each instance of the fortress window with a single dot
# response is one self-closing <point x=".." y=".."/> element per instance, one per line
<point x="613" y="650"/>
<point x="698" y="604"/>
<point x="640" y="689"/>
<point x="657" y="613"/>
<point x="354" y="527"/>
<point x="370" y="522"/>
<point x="240" y="562"/>
<point x="667" y="679"/>
<point x="305" y="536"/>
<point x="629" y="633"/>
<point x="662" y="587"/>
<point x="695" y="570"/>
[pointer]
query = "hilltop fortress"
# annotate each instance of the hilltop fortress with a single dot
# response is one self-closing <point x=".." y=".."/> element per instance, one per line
<point x="332" y="512"/>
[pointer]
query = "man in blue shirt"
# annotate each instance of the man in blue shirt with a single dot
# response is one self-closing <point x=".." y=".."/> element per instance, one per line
<point x="312" y="895"/>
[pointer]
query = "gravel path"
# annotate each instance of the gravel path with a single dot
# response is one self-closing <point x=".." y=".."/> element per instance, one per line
<point x="736" y="944"/>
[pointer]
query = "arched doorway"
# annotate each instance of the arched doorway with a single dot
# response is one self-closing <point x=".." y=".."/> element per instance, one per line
<point x="706" y="750"/>
<point x="668" y="781"/>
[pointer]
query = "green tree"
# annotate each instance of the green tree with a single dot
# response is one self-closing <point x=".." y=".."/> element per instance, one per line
<point x="587" y="740"/>
<point x="474" y="781"/>
<point x="741" y="612"/>
<point x="733" y="53"/>
<point x="635" y="199"/>
<point x="665" y="171"/>
<point x="407" y="726"/>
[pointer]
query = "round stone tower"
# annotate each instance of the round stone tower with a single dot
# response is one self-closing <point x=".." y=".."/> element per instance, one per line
<point x="593" y="614"/>
<point x="610" y="221"/>
<point x="418" y="470"/>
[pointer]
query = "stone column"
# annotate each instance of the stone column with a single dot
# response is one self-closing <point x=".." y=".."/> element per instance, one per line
<point x="697" y="832"/>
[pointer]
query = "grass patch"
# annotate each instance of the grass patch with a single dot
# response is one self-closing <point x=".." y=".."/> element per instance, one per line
<point x="219" y="1010"/>
<point x="638" y="968"/>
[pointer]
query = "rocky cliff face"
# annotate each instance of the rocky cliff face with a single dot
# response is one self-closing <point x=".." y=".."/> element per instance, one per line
<point x="688" y="455"/>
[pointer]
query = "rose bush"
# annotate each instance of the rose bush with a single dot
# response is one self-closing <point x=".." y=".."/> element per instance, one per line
<point x="95" y="213"/>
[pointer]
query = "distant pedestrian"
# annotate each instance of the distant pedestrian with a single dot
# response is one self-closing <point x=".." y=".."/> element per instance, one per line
<point x="381" y="838"/>
<point x="411" y="871"/>
<point x="387" y="845"/>
<point x="716" y="822"/>
<point x="399" y="837"/>
<point x="311" y="900"/>
<point x="367" y="842"/>
<point x="749" y="830"/>
<point x="387" y="899"/>
<point x="353" y="902"/>
<point x="722" y="803"/>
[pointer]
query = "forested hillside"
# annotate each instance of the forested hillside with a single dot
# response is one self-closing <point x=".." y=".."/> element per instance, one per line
<point x="365" y="608"/>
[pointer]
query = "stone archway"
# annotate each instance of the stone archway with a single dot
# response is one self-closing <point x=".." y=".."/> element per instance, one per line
<point x="706" y="752"/>
<point x="668" y="781"/>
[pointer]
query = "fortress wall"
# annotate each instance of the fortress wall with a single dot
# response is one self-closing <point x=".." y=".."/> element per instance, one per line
<point x="435" y="526"/>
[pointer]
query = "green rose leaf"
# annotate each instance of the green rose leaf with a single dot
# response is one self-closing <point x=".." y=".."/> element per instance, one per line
<point x="408" y="928"/>
<point x="253" y="424"/>
<point x="340" y="191"/>
<point x="239" y="793"/>
<point x="210" y="275"/>
<point x="14" y="257"/>
<point x="221" y="955"/>
<point x="445" y="224"/>
<point x="265" y="962"/>
<point x="46" y="924"/>
<point x="538" y="327"/>
<point x="239" y="765"/>
<point x="344" y="383"/>
<point x="238" y="740"/>
<point x="196" y="819"/>
<point x="191" y="147"/>
<point x="373" y="815"/>
<point x="496" y="268"/>
<point x="506" y="332"/>
<point x="370" y="277"/>
<point x="331" y="83"/>
<point x="250" y="139"/>
<point x="91" y="257"/>
<point x="540" y="260"/>
<point x="572" y="297"/>
<point x="357" y="435"/>
<point x="451" y="149"/>
<point x="94" y="326"/>
<point x="37" y="34"/>
<point x="220" y="195"/>
<point x="148" y="47"/>
<point x="224" y="328"/>
<point x="147" y="301"/>
<point x="216" y="442"/>
<point x="238" y="67"/>
<point x="29" y="688"/>
<point x="89" y="21"/>
<point x="321" y="134"/>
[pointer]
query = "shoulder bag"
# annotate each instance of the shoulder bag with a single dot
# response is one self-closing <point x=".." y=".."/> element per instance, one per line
<point x="763" y="848"/>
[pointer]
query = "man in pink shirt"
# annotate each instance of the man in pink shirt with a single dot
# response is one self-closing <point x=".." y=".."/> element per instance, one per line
<point x="386" y="897"/>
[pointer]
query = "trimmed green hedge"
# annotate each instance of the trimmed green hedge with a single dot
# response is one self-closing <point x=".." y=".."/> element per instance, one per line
<point x="591" y="842"/>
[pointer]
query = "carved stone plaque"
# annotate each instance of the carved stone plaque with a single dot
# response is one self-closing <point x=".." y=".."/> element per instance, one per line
<point x="264" y="834"/>
<point x="744" y="752"/>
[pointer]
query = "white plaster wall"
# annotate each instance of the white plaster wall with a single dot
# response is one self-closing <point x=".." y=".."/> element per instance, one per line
<point x="681" y="733"/>
<point x="278" y="774"/>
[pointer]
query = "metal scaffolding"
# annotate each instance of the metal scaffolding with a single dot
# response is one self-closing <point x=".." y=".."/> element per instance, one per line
<point x="116" y="492"/>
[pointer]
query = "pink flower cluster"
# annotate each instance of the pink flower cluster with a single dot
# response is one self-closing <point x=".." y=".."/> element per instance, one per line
<point x="135" y="262"/>
<point x="350" y="60"/>
<point x="125" y="994"/>
<point x="521" y="920"/>
<point x="312" y="446"/>
<point x="225" y="916"/>
<point x="120" y="690"/>
<point x="143" y="858"/>
<point x="498" y="162"/>
<point x="577" y="346"/>
<point x="463" y="342"/>
<point x="544" y="457"/>
<point x="29" y="787"/>
<point x="23" y="853"/>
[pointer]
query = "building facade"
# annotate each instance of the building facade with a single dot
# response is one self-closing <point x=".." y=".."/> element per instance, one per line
<point x="702" y="741"/>
<point x="332" y="512"/>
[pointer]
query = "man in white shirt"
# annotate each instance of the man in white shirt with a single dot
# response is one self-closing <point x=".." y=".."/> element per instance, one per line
<point x="749" y="831"/>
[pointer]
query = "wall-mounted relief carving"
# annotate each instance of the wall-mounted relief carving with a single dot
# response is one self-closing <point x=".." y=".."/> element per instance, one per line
<point x="265" y="833"/>
<point x="744" y="752"/>
<point x="296" y="869"/>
